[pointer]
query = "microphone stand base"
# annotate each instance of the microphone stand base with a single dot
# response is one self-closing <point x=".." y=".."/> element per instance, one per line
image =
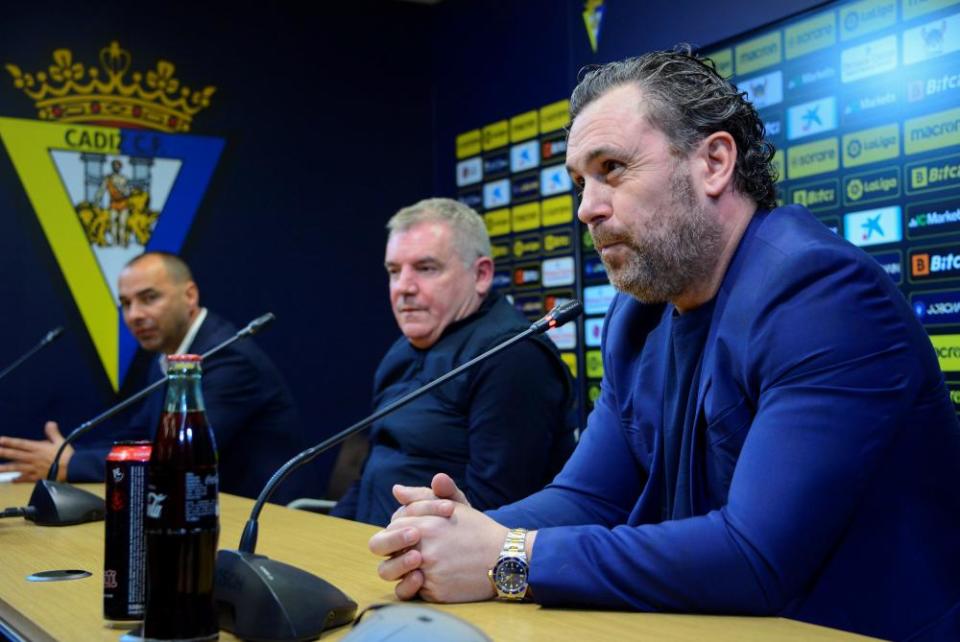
<point x="262" y="600"/>
<point x="60" y="504"/>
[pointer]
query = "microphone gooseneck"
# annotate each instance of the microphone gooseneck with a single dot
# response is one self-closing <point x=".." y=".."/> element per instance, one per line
<point x="47" y="339"/>
<point x="558" y="316"/>
<point x="264" y="599"/>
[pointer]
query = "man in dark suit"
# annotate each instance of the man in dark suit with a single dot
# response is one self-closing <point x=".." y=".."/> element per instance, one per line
<point x="249" y="406"/>
<point x="773" y="434"/>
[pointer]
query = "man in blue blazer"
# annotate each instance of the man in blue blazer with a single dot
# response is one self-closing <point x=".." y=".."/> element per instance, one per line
<point x="773" y="434"/>
<point x="248" y="404"/>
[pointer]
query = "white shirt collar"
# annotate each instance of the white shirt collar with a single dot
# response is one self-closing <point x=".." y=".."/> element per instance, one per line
<point x="187" y="339"/>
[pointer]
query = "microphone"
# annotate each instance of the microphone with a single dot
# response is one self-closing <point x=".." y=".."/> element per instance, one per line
<point x="48" y="338"/>
<point x="262" y="599"/>
<point x="60" y="504"/>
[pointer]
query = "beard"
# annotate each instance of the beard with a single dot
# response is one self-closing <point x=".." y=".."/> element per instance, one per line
<point x="678" y="250"/>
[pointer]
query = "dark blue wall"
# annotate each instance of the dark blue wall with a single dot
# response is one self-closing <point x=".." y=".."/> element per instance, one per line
<point x="326" y="114"/>
<point x="335" y="115"/>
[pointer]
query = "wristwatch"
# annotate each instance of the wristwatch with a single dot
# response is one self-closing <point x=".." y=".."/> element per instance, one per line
<point x="509" y="575"/>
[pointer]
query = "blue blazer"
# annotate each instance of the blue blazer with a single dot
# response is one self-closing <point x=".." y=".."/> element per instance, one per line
<point x="251" y="410"/>
<point x="825" y="472"/>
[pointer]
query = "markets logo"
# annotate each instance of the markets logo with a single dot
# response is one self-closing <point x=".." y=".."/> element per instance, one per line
<point x="811" y="78"/>
<point x="936" y="308"/>
<point x="525" y="187"/>
<point x="933" y="219"/>
<point x="858" y="105"/>
<point x="110" y="172"/>
<point x="494" y="164"/>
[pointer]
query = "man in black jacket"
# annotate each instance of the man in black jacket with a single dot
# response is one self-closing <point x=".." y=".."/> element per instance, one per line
<point x="502" y="429"/>
<point x="248" y="404"/>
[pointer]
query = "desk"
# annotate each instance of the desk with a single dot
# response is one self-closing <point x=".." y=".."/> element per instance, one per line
<point x="331" y="548"/>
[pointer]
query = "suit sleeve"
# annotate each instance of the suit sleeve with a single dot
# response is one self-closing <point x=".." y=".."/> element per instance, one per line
<point x="518" y="402"/>
<point x="831" y="361"/>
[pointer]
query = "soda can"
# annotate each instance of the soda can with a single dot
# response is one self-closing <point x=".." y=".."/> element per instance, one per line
<point x="124" y="558"/>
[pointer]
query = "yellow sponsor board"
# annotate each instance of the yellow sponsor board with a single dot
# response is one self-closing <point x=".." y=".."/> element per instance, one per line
<point x="758" y="53"/>
<point x="524" y="126"/>
<point x="526" y="245"/>
<point x="557" y="210"/>
<point x="594" y="362"/>
<point x="865" y="17"/>
<point x="500" y="249"/>
<point x="871" y="145"/>
<point x="913" y="8"/>
<point x="935" y="131"/>
<point x="498" y="222"/>
<point x="947" y="347"/>
<point x="570" y="358"/>
<point x="934" y="174"/>
<point x="525" y="217"/>
<point x="777" y="163"/>
<point x="554" y="116"/>
<point x="819" y="32"/>
<point x="468" y="144"/>
<point x="496" y="135"/>
<point x="554" y="242"/>
<point x="813" y="158"/>
<point x="723" y="60"/>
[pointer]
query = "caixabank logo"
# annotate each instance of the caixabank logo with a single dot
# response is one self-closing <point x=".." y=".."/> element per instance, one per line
<point x="110" y="172"/>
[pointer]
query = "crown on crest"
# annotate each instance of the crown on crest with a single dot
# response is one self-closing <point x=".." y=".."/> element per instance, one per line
<point x="70" y="92"/>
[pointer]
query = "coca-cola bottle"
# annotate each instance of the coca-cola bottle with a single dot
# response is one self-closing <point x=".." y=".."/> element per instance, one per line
<point x="182" y="521"/>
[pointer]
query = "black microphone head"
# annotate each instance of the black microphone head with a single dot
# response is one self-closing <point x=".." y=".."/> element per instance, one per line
<point x="53" y="334"/>
<point x="257" y="324"/>
<point x="558" y="316"/>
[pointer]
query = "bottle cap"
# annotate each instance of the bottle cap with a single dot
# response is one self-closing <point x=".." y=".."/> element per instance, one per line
<point x="184" y="358"/>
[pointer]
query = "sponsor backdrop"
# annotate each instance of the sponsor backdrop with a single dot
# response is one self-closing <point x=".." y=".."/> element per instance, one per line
<point x="860" y="99"/>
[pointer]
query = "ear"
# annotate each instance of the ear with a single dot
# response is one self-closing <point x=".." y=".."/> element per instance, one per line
<point x="483" y="271"/>
<point x="718" y="151"/>
<point x="192" y="294"/>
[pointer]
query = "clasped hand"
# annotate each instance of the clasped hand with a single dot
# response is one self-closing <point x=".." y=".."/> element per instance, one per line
<point x="437" y="546"/>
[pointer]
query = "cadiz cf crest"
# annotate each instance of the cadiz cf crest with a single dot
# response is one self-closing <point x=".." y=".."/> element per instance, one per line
<point x="110" y="173"/>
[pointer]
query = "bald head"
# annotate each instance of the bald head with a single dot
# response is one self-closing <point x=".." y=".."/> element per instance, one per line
<point x="159" y="300"/>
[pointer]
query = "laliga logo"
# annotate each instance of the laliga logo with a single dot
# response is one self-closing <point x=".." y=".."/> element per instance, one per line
<point x="155" y="505"/>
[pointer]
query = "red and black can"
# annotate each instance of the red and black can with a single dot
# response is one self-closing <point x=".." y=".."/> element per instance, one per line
<point x="125" y="554"/>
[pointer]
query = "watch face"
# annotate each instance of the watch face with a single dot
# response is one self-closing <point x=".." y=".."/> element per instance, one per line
<point x="510" y="575"/>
